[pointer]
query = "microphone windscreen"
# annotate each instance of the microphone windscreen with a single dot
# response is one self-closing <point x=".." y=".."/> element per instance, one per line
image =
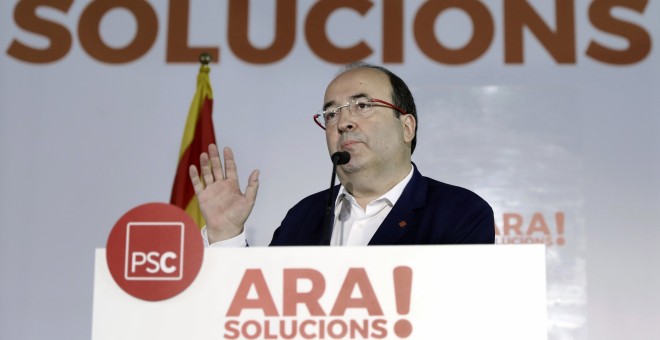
<point x="340" y="157"/>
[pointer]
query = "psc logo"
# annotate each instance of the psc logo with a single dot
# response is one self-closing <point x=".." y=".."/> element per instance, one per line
<point x="154" y="251"/>
<point x="148" y="260"/>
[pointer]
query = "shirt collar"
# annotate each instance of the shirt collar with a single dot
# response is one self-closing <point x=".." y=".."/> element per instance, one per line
<point x="391" y="196"/>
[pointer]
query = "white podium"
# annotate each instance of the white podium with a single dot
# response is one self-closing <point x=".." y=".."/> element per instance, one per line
<point x="394" y="292"/>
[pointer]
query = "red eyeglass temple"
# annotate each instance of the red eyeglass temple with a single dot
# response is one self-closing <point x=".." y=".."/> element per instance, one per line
<point x="372" y="100"/>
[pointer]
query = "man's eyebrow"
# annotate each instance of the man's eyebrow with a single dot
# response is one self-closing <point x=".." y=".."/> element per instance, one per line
<point x="328" y="104"/>
<point x="359" y="95"/>
<point x="353" y="97"/>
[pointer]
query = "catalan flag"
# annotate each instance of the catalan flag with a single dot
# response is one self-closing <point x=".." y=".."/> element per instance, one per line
<point x="197" y="135"/>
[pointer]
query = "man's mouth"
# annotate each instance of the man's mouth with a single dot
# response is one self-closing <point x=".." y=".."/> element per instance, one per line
<point x="348" y="144"/>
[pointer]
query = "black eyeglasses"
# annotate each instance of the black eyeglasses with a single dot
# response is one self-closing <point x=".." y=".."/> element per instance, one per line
<point x="358" y="107"/>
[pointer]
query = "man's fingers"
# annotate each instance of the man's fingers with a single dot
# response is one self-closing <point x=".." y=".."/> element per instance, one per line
<point x="230" y="165"/>
<point x="211" y="168"/>
<point x="205" y="167"/>
<point x="194" y="178"/>
<point x="253" y="186"/>
<point x="216" y="162"/>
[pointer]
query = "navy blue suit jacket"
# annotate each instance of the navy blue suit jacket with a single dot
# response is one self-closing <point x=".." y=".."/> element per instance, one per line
<point x="428" y="212"/>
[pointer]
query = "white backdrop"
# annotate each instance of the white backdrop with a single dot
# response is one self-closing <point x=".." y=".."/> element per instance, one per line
<point x="82" y="141"/>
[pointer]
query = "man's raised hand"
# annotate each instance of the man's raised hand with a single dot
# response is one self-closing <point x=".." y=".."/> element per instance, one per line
<point x="223" y="205"/>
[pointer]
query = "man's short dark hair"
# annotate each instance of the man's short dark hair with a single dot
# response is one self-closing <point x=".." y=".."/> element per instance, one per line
<point x="401" y="95"/>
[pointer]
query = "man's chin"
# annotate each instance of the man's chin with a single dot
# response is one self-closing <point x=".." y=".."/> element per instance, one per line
<point x="351" y="167"/>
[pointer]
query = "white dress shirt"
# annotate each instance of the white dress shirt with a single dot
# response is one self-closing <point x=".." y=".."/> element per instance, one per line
<point x="353" y="226"/>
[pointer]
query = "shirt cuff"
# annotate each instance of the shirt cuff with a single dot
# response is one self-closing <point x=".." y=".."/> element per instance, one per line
<point x="236" y="241"/>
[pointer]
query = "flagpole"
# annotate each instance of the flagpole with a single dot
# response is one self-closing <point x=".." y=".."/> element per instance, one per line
<point x="205" y="59"/>
<point x="197" y="135"/>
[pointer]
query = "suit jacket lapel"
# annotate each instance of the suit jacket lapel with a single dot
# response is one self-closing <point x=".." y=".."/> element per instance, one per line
<point x="402" y="218"/>
<point x="317" y="234"/>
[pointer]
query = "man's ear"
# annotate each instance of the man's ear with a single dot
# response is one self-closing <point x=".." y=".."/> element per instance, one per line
<point x="409" y="124"/>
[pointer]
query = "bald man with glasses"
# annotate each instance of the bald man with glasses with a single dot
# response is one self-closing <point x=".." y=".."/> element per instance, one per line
<point x="383" y="199"/>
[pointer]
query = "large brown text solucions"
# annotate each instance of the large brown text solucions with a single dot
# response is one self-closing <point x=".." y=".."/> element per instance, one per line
<point x="558" y="38"/>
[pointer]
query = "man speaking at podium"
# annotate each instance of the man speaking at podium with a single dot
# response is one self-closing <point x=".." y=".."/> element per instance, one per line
<point x="383" y="199"/>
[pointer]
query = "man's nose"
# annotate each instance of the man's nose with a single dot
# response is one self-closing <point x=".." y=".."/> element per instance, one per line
<point x="346" y="120"/>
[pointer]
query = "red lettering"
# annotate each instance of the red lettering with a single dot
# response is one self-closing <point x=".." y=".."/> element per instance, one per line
<point x="294" y="329"/>
<point x="337" y="334"/>
<point x="537" y="224"/>
<point x="264" y="301"/>
<point x="268" y="332"/>
<point x="361" y="329"/>
<point x="379" y="329"/>
<point x="292" y="297"/>
<point x="308" y="329"/>
<point x="245" y="330"/>
<point x="356" y="278"/>
<point x="303" y="329"/>
<point x="232" y="328"/>
<point x="512" y="222"/>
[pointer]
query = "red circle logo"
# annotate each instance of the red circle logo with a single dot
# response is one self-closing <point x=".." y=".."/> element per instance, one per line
<point x="154" y="251"/>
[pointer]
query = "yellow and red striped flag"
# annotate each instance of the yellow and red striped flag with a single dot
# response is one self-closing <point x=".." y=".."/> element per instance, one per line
<point x="197" y="136"/>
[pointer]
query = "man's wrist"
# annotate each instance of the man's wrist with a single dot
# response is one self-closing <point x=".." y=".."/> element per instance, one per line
<point x="235" y="241"/>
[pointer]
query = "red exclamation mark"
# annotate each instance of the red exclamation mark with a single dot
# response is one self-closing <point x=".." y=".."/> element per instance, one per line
<point x="402" y="288"/>
<point x="559" y="217"/>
